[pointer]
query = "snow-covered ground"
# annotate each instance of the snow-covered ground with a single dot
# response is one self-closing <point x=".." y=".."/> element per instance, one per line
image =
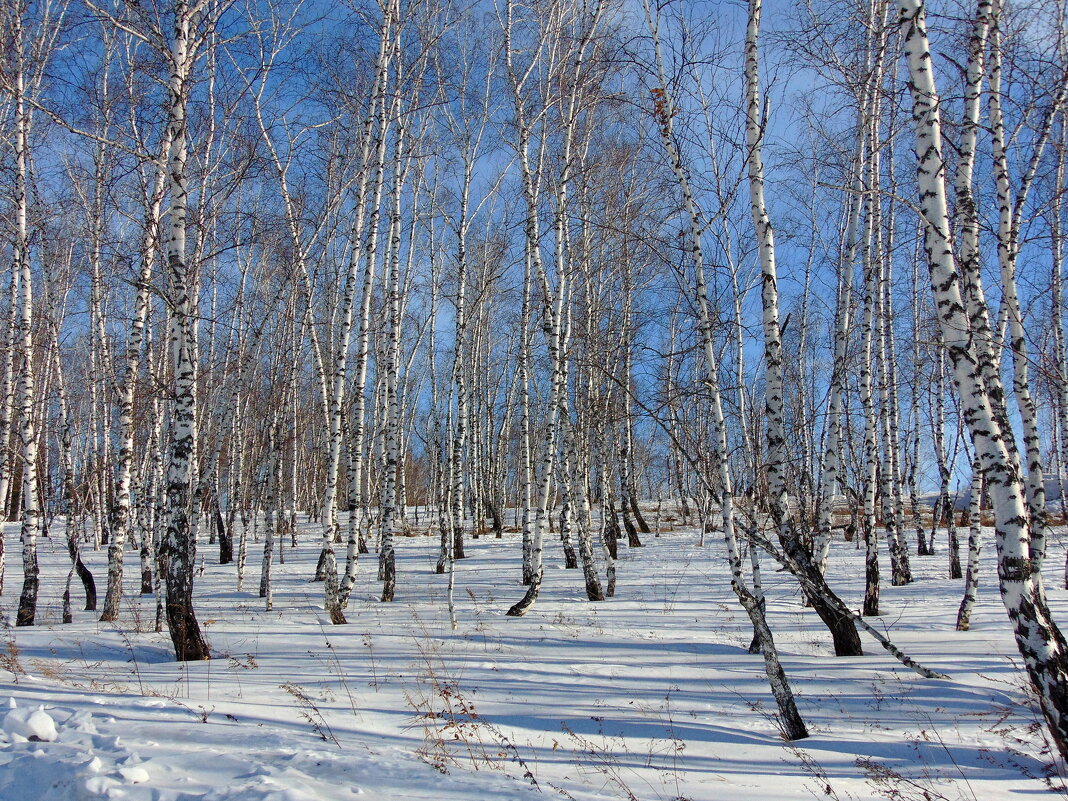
<point x="650" y="695"/>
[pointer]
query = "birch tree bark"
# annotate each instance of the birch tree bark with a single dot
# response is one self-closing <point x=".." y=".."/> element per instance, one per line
<point x="831" y="471"/>
<point x="793" y="725"/>
<point x="8" y="388"/>
<point x="842" y="628"/>
<point x="1010" y="212"/>
<point x="867" y="401"/>
<point x="376" y="129"/>
<point x="1041" y="643"/>
<point x="127" y="390"/>
<point x="31" y="511"/>
<point x="573" y="80"/>
<point x="393" y="291"/>
<point x="1060" y="352"/>
<point x="65" y="436"/>
<point x="944" y="511"/>
<point x="328" y="561"/>
<point x="889" y="468"/>
<point x="975" y="528"/>
<point x="179" y="542"/>
<point x="523" y="84"/>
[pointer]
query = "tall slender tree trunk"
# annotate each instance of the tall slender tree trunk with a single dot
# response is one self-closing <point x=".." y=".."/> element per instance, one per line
<point x="790" y="719"/>
<point x="1010" y="210"/>
<point x="1040" y="641"/>
<point x="842" y="627"/>
<point x="392" y="367"/>
<point x="830" y="474"/>
<point x="127" y="389"/>
<point x="180" y="543"/>
<point x="31" y="511"/>
<point x="8" y="460"/>
<point x="975" y="528"/>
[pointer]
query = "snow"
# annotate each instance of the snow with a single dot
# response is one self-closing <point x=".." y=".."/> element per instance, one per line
<point x="649" y="695"/>
<point x="21" y="724"/>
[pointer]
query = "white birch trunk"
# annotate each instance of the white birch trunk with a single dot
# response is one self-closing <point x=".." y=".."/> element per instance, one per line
<point x="971" y="579"/>
<point x="392" y="368"/>
<point x="127" y="390"/>
<point x="328" y="561"/>
<point x="31" y="511"/>
<point x="377" y="116"/>
<point x="842" y="628"/>
<point x="790" y="718"/>
<point x="8" y="389"/>
<point x="272" y="516"/>
<point x="829" y="477"/>
<point x="1010" y="210"/>
<point x="869" y="530"/>
<point x="179" y="544"/>
<point x="1040" y="641"/>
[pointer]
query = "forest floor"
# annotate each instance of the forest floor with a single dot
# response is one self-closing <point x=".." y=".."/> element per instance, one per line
<point x="649" y="695"/>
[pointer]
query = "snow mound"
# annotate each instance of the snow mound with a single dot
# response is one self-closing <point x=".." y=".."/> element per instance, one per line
<point x="134" y="774"/>
<point x="37" y="764"/>
<point x="36" y="725"/>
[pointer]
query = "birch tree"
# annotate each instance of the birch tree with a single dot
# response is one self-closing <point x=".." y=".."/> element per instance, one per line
<point x="790" y="718"/>
<point x="575" y="82"/>
<point x="338" y="377"/>
<point x="842" y="628"/>
<point x="179" y="542"/>
<point x="1040" y="641"/>
<point x="31" y="38"/>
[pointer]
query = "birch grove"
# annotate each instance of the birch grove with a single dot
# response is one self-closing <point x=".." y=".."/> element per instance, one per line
<point x="290" y="277"/>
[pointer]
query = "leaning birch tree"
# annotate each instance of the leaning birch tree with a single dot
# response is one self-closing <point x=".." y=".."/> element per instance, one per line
<point x="790" y="718"/>
<point x="829" y="607"/>
<point x="1038" y="638"/>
